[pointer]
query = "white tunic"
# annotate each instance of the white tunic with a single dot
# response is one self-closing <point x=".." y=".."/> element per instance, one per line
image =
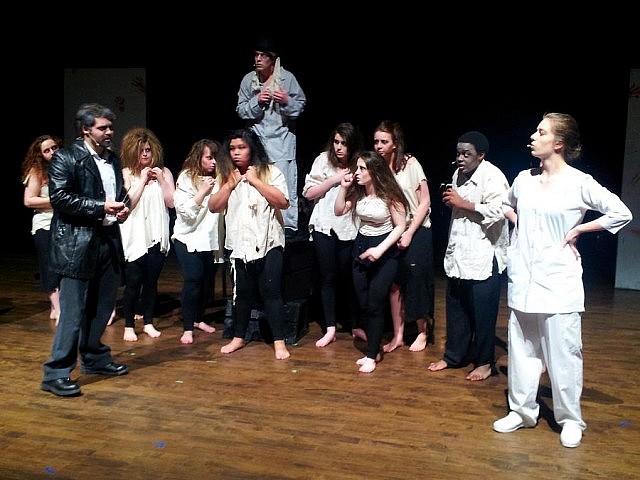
<point x="323" y="218"/>
<point x="545" y="277"/>
<point x="147" y="224"/>
<point x="253" y="226"/>
<point x="196" y="226"/>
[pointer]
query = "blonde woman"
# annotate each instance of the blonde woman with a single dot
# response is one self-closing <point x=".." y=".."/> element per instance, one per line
<point x="145" y="234"/>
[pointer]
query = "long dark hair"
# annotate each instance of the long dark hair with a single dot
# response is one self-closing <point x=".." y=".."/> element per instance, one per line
<point x="353" y="141"/>
<point x="259" y="159"/>
<point x="397" y="135"/>
<point x="384" y="183"/>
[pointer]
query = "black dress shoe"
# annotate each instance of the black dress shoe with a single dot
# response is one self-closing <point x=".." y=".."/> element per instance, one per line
<point x="62" y="387"/>
<point x="112" y="369"/>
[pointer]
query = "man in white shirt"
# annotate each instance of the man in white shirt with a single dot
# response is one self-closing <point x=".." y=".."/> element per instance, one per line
<point x="475" y="258"/>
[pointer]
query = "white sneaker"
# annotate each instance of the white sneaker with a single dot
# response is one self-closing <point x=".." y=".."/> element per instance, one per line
<point x="510" y="423"/>
<point x="571" y="435"/>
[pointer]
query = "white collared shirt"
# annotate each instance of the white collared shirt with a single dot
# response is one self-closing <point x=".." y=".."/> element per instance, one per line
<point x="108" y="176"/>
<point x="475" y="238"/>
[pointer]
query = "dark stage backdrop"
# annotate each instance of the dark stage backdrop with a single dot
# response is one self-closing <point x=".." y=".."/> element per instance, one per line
<point x="436" y="91"/>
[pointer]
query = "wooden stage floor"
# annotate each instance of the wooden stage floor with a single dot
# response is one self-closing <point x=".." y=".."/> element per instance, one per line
<point x="189" y="412"/>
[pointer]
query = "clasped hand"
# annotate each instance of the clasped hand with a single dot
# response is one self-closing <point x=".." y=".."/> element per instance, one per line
<point x="279" y="95"/>
<point x="119" y="209"/>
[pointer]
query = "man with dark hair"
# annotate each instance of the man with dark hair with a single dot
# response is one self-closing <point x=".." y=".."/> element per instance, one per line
<point x="475" y="258"/>
<point x="88" y="197"/>
<point x="270" y="100"/>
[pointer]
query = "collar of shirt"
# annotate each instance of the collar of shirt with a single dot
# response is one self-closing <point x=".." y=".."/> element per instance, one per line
<point x="95" y="155"/>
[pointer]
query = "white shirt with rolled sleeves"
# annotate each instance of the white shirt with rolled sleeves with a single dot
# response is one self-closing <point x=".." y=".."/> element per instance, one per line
<point x="476" y="237"/>
<point x="544" y="276"/>
<point x="323" y="219"/>
<point x="253" y="226"/>
<point x="195" y="226"/>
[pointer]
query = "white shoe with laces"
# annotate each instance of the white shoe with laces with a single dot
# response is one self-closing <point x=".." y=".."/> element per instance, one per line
<point x="571" y="435"/>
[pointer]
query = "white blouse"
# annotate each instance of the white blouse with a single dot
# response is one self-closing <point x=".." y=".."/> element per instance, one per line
<point x="253" y="226"/>
<point x="409" y="179"/>
<point x="375" y="216"/>
<point x="147" y="224"/>
<point x="195" y="226"/>
<point x="544" y="276"/>
<point x="41" y="216"/>
<point x="323" y="219"/>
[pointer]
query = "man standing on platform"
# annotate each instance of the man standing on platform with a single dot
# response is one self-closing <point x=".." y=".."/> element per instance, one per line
<point x="270" y="99"/>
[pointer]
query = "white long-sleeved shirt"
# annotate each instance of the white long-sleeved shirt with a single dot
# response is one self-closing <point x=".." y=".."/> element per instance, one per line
<point x="545" y="277"/>
<point x="476" y="237"/>
<point x="323" y="218"/>
<point x="195" y="226"/>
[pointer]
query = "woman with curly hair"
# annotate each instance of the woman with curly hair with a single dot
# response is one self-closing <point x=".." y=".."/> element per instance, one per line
<point x="36" y="196"/>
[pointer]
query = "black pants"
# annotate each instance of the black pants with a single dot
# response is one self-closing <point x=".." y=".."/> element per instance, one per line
<point x="141" y="286"/>
<point x="259" y="283"/>
<point x="199" y="274"/>
<point x="472" y="311"/>
<point x="334" y="261"/>
<point x="372" y="282"/>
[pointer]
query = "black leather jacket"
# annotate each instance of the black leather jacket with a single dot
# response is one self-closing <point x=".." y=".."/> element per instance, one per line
<point x="77" y="197"/>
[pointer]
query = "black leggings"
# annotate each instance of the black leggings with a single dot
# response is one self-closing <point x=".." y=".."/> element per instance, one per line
<point x="141" y="286"/>
<point x="259" y="278"/>
<point x="334" y="261"/>
<point x="372" y="282"/>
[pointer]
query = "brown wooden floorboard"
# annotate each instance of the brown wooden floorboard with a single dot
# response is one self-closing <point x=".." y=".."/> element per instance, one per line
<point x="189" y="412"/>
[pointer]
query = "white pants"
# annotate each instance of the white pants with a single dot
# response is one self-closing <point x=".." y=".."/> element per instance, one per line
<point x="537" y="339"/>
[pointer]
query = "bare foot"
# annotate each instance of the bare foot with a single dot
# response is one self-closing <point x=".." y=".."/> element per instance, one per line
<point x="392" y="345"/>
<point x="281" y="350"/>
<point x="359" y="333"/>
<point x="420" y="343"/>
<point x="150" y="330"/>
<point x="437" y="366"/>
<point x="205" y="327"/>
<point x="130" y="335"/>
<point x="54" y="314"/>
<point x="480" y="373"/>
<point x="236" y="344"/>
<point x="367" y="365"/>
<point x="328" y="338"/>
<point x="187" y="337"/>
<point x="361" y="361"/>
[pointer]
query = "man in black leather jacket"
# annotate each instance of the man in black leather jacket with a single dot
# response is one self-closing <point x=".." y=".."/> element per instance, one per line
<point x="88" y="197"/>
